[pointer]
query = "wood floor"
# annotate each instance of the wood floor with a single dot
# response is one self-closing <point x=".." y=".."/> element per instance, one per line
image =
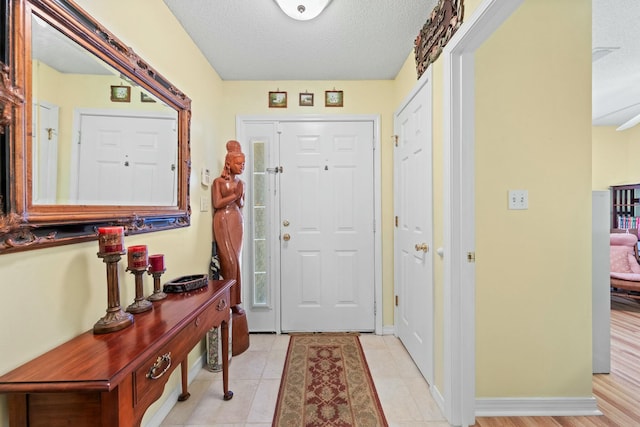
<point x="618" y="393"/>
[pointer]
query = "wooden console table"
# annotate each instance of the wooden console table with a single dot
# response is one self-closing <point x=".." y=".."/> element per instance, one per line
<point x="111" y="379"/>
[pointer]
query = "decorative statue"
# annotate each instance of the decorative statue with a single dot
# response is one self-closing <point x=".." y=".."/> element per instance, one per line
<point x="227" y="196"/>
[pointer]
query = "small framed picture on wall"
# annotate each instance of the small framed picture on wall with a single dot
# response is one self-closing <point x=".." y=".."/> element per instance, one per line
<point x="277" y="99"/>
<point x="145" y="97"/>
<point x="306" y="100"/>
<point x="121" y="93"/>
<point x="333" y="98"/>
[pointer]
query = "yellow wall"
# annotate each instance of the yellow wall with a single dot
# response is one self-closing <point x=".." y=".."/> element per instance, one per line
<point x="52" y="295"/>
<point x="533" y="270"/>
<point x="615" y="156"/>
<point x="75" y="295"/>
<point x="533" y="127"/>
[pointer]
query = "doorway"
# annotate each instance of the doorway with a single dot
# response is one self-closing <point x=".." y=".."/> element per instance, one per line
<point x="459" y="207"/>
<point x="312" y="228"/>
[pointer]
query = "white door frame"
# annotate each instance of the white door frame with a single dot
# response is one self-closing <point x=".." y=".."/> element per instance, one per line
<point x="600" y="282"/>
<point x="241" y="120"/>
<point x="459" y="206"/>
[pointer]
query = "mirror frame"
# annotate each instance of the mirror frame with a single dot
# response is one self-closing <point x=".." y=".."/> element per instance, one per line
<point x="24" y="225"/>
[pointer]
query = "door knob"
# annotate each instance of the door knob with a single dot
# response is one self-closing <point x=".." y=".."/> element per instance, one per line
<point x="422" y="247"/>
<point x="286" y="237"/>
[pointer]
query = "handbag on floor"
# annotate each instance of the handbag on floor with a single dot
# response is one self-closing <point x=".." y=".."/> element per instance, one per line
<point x="214" y="265"/>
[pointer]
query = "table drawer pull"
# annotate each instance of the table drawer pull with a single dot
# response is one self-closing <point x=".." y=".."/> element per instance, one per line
<point x="165" y="360"/>
<point x="222" y="305"/>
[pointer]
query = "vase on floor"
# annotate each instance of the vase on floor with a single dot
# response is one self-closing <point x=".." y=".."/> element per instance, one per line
<point x="214" y="348"/>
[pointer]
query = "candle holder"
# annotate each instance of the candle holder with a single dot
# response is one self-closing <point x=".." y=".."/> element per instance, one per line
<point x="116" y="318"/>
<point x="157" y="294"/>
<point x="140" y="304"/>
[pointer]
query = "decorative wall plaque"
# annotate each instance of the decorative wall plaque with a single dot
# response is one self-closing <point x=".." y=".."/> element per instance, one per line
<point x="445" y="19"/>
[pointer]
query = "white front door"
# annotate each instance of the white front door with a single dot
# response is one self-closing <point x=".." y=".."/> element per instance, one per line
<point x="127" y="160"/>
<point x="327" y="226"/>
<point x="414" y="227"/>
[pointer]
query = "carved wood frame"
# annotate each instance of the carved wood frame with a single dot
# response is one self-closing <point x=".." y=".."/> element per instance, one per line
<point x="25" y="226"/>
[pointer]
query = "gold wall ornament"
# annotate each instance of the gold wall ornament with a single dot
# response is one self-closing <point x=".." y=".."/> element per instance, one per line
<point x="444" y="21"/>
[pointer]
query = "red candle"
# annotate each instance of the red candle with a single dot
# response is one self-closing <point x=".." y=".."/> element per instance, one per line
<point x="156" y="263"/>
<point x="110" y="240"/>
<point x="137" y="257"/>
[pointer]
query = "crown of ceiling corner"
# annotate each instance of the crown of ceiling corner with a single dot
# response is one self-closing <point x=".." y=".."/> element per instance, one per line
<point x="302" y="10"/>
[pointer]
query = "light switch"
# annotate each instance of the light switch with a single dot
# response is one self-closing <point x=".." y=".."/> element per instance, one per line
<point x="204" y="204"/>
<point x="518" y="199"/>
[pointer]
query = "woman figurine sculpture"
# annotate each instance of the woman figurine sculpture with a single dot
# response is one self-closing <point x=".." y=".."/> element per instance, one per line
<point x="227" y="196"/>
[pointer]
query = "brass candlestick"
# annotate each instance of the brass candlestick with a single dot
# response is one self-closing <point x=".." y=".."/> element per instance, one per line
<point x="140" y="304"/>
<point x="157" y="294"/>
<point x="116" y="318"/>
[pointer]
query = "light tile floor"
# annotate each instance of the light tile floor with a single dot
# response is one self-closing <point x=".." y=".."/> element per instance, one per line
<point x="255" y="380"/>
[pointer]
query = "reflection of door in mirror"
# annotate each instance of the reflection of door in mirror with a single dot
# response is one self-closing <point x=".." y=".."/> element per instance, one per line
<point x="45" y="153"/>
<point x="54" y="52"/>
<point x="125" y="159"/>
<point x="131" y="152"/>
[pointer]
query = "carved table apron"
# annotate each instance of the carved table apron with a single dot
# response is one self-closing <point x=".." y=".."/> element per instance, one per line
<point x="111" y="379"/>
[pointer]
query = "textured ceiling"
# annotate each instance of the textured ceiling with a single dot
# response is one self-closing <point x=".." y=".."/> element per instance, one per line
<point x="371" y="39"/>
<point x="616" y="76"/>
<point x="350" y="40"/>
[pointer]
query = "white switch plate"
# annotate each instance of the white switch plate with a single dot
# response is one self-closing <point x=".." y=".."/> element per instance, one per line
<point x="518" y="199"/>
<point x="204" y="204"/>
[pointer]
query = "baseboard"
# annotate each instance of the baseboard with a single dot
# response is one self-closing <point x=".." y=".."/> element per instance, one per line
<point x="537" y="406"/>
<point x="157" y="418"/>
<point x="437" y="396"/>
<point x="388" y="330"/>
<point x="528" y="407"/>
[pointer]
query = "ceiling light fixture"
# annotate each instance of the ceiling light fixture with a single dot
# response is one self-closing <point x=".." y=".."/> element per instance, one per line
<point x="302" y="10"/>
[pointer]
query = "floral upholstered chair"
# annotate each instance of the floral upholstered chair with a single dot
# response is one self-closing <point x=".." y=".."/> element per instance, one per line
<point x="625" y="265"/>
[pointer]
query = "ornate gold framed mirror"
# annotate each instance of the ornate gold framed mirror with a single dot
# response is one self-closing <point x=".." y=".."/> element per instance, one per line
<point x="75" y="153"/>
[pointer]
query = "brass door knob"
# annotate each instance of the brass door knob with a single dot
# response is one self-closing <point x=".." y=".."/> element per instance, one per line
<point x="286" y="237"/>
<point x="422" y="247"/>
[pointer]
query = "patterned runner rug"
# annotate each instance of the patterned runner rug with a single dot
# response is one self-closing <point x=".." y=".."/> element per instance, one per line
<point x="326" y="382"/>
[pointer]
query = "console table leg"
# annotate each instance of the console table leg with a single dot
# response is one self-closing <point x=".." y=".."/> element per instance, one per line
<point x="184" y="368"/>
<point x="224" y="329"/>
